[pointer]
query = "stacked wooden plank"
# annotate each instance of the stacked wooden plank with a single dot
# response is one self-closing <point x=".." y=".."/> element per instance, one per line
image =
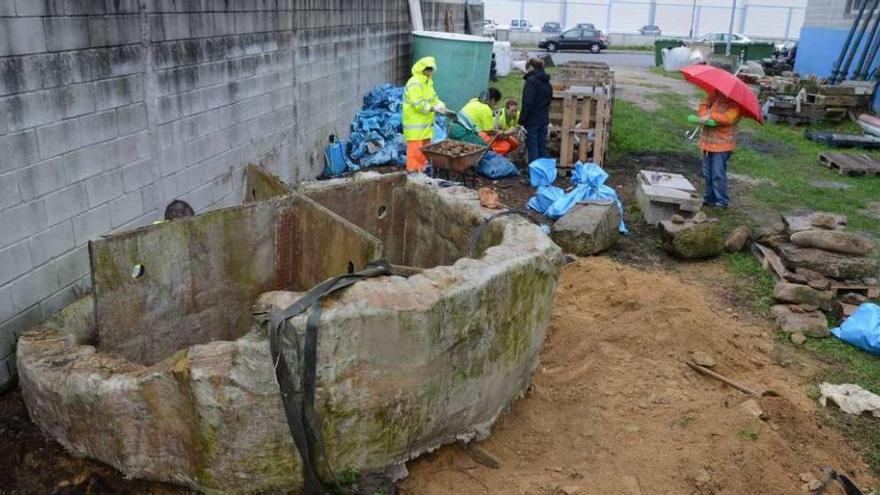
<point x="580" y="112"/>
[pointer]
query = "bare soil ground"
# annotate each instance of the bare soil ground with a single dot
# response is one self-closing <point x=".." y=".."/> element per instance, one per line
<point x="616" y="410"/>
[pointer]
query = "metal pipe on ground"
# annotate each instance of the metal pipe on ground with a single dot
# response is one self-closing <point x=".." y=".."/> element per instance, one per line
<point x="846" y="44"/>
<point x="861" y="70"/>
<point x="860" y="33"/>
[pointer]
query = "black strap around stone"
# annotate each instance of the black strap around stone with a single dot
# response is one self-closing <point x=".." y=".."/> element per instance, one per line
<point x="298" y="396"/>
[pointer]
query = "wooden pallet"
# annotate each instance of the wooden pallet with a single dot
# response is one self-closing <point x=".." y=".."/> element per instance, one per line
<point x="850" y="163"/>
<point x="592" y="111"/>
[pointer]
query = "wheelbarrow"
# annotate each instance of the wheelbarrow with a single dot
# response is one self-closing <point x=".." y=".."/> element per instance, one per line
<point x="456" y="157"/>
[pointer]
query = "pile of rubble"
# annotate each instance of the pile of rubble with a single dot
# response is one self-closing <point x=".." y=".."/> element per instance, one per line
<point x="790" y="99"/>
<point x="822" y="269"/>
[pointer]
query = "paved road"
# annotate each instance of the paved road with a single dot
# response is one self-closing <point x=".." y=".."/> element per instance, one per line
<point x="614" y="59"/>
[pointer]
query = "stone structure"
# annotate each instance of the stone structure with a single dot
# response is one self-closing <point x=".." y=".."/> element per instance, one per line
<point x="588" y="228"/>
<point x="691" y="240"/>
<point x="110" y="110"/>
<point x="163" y="374"/>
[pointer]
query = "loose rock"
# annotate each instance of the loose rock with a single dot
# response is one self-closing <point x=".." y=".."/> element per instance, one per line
<point x="737" y="239"/>
<point x="812" y="324"/>
<point x="588" y="229"/>
<point x="700" y="217"/>
<point x="798" y="338"/>
<point x="802" y="294"/>
<point x="677" y="218"/>
<point x="808" y="221"/>
<point x="853" y="298"/>
<point x="569" y="490"/>
<point x="703" y="359"/>
<point x="834" y="265"/>
<point x="752" y="408"/>
<point x="823" y="221"/>
<point x="832" y="240"/>
<point x="692" y="240"/>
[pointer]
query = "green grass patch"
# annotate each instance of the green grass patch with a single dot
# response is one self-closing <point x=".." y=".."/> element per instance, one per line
<point x="755" y="283"/>
<point x="748" y="433"/>
<point x="660" y="71"/>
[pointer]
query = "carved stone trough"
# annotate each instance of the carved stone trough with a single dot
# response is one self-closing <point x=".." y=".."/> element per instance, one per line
<point x="164" y="373"/>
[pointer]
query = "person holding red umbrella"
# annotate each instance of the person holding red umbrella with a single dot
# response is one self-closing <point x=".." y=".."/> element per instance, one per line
<point x="728" y="100"/>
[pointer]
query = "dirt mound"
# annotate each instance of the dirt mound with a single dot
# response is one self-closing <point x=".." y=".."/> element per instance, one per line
<point x="616" y="410"/>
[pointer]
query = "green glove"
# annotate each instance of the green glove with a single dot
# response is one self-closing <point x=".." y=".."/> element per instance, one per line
<point x="693" y="119"/>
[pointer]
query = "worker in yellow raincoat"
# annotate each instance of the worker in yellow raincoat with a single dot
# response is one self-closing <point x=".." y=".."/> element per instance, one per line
<point x="420" y="102"/>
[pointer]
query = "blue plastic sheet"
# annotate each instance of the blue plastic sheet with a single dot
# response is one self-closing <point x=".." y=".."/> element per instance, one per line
<point x="544" y="198"/>
<point x="542" y="172"/>
<point x="589" y="181"/>
<point x="862" y="328"/>
<point x="495" y="166"/>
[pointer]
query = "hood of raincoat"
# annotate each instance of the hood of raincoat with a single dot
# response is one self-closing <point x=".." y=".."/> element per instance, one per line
<point x="423" y="64"/>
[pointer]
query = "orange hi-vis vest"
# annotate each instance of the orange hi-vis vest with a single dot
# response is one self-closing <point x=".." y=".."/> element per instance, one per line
<point x="727" y="114"/>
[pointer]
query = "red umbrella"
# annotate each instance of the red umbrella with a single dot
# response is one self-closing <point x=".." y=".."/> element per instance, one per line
<point x="711" y="79"/>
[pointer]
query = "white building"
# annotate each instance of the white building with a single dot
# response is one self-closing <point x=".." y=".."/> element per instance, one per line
<point x="770" y="19"/>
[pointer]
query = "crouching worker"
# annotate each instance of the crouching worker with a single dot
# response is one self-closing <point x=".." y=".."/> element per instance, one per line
<point x="507" y="121"/>
<point x="476" y="124"/>
<point x="420" y="102"/>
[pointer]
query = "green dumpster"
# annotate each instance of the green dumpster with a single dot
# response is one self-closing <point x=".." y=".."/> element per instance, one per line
<point x="659" y="45"/>
<point x="759" y="50"/>
<point x="736" y="49"/>
<point x="463" y="63"/>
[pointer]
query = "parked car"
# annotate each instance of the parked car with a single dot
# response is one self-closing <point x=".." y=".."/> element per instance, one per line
<point x="520" y="25"/>
<point x="736" y="38"/>
<point x="551" y="27"/>
<point x="650" y="30"/>
<point x="576" y="39"/>
<point x="489" y="27"/>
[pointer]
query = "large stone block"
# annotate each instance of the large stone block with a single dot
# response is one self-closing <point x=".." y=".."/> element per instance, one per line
<point x="690" y="240"/>
<point x="588" y="229"/>
<point x="835" y="265"/>
<point x="834" y="240"/>
<point x="793" y="319"/>
<point x="467" y="333"/>
<point x="803" y="294"/>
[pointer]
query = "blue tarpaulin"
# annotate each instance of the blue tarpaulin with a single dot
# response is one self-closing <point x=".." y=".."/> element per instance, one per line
<point x="862" y="328"/>
<point x="542" y="172"/>
<point x="377" y="130"/>
<point x="495" y="166"/>
<point x="589" y="181"/>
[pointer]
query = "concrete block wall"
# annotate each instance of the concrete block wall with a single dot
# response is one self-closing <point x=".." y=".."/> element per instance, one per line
<point x="828" y="14"/>
<point x="111" y="110"/>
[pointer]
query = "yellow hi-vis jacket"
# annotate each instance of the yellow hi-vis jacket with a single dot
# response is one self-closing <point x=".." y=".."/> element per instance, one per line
<point x="505" y="123"/>
<point x="479" y="115"/>
<point x="419" y="100"/>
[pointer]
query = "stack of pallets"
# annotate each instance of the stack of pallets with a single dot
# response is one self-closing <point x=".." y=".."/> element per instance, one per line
<point x="580" y="112"/>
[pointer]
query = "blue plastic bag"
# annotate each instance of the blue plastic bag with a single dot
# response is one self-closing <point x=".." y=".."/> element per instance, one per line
<point x="495" y="166"/>
<point x="544" y="198"/>
<point x="542" y="172"/>
<point x="862" y="328"/>
<point x="589" y="181"/>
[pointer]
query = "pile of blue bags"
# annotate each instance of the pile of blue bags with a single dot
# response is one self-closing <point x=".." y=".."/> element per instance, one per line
<point x="588" y="181"/>
<point x="377" y="130"/>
